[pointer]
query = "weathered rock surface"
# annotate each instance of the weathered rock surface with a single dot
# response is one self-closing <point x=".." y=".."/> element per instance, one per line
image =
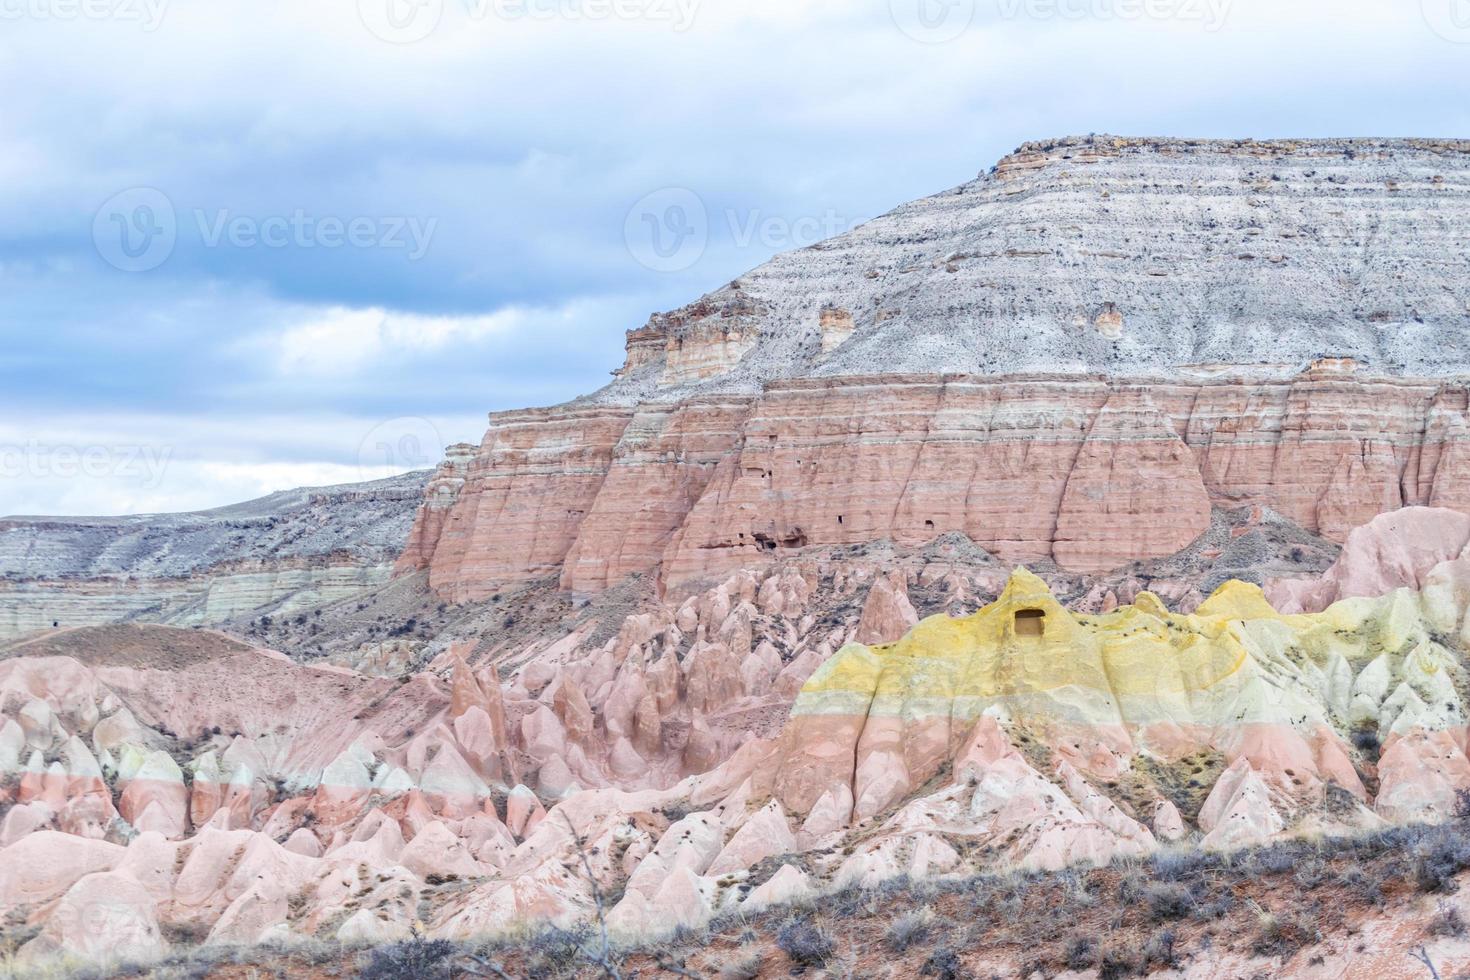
<point x="1407" y="549"/>
<point x="911" y="377"/>
<point x="1091" y="473"/>
<point x="1114" y="255"/>
<point x="279" y="554"/>
<point x="829" y="672"/>
<point x="261" y="799"/>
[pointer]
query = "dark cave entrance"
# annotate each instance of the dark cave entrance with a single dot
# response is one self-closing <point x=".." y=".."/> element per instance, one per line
<point x="1030" y="622"/>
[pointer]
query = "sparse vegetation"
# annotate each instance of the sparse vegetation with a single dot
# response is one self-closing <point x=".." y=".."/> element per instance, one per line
<point x="1081" y="953"/>
<point x="1129" y="919"/>
<point x="1441" y="855"/>
<point x="1168" y="901"/>
<point x="1365" y="740"/>
<point x="910" y="928"/>
<point x="1447" y="921"/>
<point x="942" y="964"/>
<point x="744" y="965"/>
<point x="805" y="942"/>
<point x="410" y="960"/>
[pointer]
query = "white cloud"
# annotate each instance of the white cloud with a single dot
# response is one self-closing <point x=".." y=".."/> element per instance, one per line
<point x="137" y="464"/>
<point x="528" y="140"/>
<point x="342" y="341"/>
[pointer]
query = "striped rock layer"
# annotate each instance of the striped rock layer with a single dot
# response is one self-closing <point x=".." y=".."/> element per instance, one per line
<point x="1090" y="472"/>
<point x="280" y="554"/>
<point x="1129" y="256"/>
<point x="1070" y="357"/>
<point x="1278" y="695"/>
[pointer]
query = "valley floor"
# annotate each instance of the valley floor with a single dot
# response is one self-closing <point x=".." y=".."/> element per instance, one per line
<point x="1384" y="905"/>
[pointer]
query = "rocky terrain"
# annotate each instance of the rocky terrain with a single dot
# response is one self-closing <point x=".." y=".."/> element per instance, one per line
<point x="1089" y="472"/>
<point x="1129" y="256"/>
<point x="282" y="553"/>
<point x="1071" y="358"/>
<point x="1068" y="574"/>
<point x="180" y="786"/>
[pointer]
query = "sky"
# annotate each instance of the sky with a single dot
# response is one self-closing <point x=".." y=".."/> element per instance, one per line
<point x="247" y="245"/>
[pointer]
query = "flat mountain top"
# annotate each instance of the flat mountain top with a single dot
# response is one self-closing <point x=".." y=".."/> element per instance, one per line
<point x="1106" y="254"/>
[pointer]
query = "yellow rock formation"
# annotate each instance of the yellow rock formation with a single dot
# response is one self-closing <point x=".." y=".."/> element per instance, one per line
<point x="1234" y="659"/>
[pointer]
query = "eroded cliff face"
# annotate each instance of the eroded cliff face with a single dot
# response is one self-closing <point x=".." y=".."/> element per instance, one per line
<point x="277" y="555"/>
<point x="212" y="596"/>
<point x="832" y="673"/>
<point x="1106" y="254"/>
<point x="1070" y="358"/>
<point x="1091" y="472"/>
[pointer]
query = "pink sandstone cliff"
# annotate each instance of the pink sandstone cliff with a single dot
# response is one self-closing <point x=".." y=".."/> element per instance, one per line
<point x="1090" y="472"/>
<point x="1071" y="357"/>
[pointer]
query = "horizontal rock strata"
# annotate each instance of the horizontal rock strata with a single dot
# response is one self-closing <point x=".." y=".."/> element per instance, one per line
<point x="1124" y="255"/>
<point x="280" y="554"/>
<point x="1091" y="472"/>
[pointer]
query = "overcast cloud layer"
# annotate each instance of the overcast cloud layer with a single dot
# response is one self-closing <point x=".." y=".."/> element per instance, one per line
<point x="247" y="245"/>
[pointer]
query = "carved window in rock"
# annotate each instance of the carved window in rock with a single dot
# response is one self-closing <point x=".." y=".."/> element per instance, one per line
<point x="1030" y="622"/>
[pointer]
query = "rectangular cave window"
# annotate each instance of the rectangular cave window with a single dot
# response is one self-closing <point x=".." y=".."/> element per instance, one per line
<point x="1030" y="622"/>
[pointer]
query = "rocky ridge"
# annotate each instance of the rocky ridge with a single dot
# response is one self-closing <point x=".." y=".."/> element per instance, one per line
<point x="1093" y="473"/>
<point x="282" y="553"/>
<point x="1112" y="254"/>
<point x="190" y="784"/>
<point x="1073" y="357"/>
<point x="745" y="628"/>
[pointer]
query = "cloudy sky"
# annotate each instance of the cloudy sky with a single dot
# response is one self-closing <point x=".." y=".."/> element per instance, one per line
<point x="247" y="244"/>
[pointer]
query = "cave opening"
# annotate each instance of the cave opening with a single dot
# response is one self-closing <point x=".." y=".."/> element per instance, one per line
<point x="1030" y="622"/>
